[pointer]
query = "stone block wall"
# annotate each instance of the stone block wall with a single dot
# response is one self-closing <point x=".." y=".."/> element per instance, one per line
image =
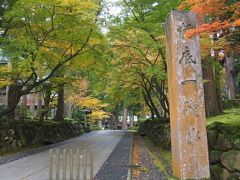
<point x="223" y="146"/>
<point x="18" y="134"/>
<point x="224" y="151"/>
<point x="157" y="132"/>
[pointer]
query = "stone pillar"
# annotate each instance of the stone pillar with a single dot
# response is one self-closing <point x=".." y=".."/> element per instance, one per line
<point x="186" y="98"/>
<point x="230" y="81"/>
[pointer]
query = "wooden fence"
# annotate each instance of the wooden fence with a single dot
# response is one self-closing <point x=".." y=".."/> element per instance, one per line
<point x="70" y="164"/>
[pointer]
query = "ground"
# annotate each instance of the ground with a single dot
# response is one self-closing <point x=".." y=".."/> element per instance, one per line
<point x="34" y="166"/>
<point x="150" y="161"/>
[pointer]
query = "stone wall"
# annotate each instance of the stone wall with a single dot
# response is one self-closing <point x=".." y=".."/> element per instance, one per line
<point x="224" y="151"/>
<point x="18" y="134"/>
<point x="157" y="132"/>
<point x="223" y="142"/>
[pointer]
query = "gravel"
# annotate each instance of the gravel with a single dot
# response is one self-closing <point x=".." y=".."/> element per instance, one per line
<point x="151" y="171"/>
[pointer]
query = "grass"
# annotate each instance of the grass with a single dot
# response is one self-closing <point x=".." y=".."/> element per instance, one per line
<point x="230" y="116"/>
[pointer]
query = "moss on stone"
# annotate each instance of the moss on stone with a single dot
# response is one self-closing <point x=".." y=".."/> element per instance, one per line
<point x="231" y="160"/>
<point x="223" y="142"/>
<point x="216" y="171"/>
<point x="230" y="117"/>
<point x="215" y="156"/>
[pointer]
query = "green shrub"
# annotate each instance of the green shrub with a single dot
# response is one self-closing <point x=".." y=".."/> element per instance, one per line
<point x="227" y="104"/>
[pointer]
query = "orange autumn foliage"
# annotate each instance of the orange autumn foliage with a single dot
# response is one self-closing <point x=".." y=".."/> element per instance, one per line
<point x="222" y="16"/>
<point x="216" y="26"/>
<point x="203" y="7"/>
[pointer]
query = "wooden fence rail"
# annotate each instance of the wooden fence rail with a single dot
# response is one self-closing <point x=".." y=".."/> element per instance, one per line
<point x="70" y="164"/>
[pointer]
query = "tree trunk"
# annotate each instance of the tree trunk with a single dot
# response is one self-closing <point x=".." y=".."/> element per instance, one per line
<point x="212" y="95"/>
<point x="47" y="103"/>
<point x="230" y="80"/>
<point x="132" y="120"/>
<point x="148" y="104"/>
<point x="60" y="104"/>
<point x="115" y="116"/>
<point x="124" y="119"/>
<point x="12" y="101"/>
<point x="24" y="101"/>
<point x="32" y="105"/>
<point x="39" y="104"/>
<point x="161" y="95"/>
<point x="143" y="115"/>
<point x="154" y="107"/>
<point x="45" y="112"/>
<point x="68" y="109"/>
<point x="147" y="87"/>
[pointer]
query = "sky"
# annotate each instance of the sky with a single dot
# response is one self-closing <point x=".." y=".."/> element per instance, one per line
<point x="115" y="9"/>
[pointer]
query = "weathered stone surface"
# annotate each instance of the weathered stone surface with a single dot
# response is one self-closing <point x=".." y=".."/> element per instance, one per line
<point x="223" y="142"/>
<point x="14" y="135"/>
<point x="219" y="173"/>
<point x="234" y="176"/>
<point x="215" y="156"/>
<point x="212" y="136"/>
<point x="236" y="142"/>
<point x="231" y="160"/>
<point x="186" y="98"/>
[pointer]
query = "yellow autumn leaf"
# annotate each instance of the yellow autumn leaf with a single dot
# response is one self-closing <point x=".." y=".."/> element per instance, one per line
<point x="99" y="115"/>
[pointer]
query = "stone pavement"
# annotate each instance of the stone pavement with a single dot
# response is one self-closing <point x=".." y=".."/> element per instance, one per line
<point x="117" y="165"/>
<point x="34" y="166"/>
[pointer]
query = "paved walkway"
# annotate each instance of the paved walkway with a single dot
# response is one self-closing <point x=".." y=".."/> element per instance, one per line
<point x="34" y="166"/>
<point x="117" y="165"/>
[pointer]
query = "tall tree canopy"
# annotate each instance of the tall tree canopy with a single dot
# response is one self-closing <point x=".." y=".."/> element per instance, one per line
<point x="220" y="16"/>
<point x="40" y="37"/>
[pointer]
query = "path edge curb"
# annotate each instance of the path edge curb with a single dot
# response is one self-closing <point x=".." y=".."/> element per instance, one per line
<point x="129" y="176"/>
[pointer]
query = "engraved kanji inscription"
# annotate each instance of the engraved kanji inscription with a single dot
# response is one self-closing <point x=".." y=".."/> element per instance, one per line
<point x="186" y="57"/>
<point x="183" y="28"/>
<point x="191" y="106"/>
<point x="193" y="135"/>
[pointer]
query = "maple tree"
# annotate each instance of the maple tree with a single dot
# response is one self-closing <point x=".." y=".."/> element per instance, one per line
<point x="136" y="72"/>
<point x="215" y="16"/>
<point x="219" y="30"/>
<point x="43" y="40"/>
